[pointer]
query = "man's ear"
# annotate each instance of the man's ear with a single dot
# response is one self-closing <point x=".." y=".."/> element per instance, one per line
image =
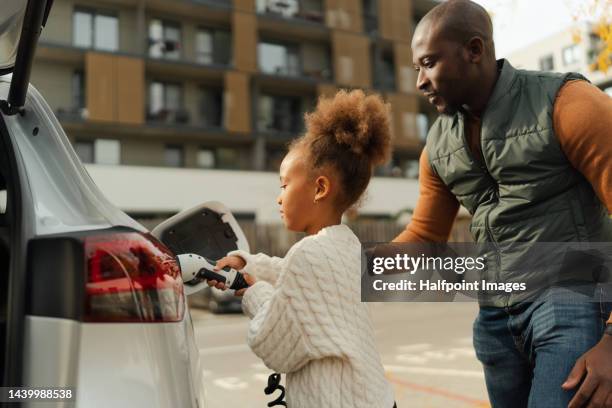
<point x="323" y="188"/>
<point x="476" y="49"/>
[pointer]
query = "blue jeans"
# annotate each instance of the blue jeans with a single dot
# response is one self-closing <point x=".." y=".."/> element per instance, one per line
<point x="528" y="350"/>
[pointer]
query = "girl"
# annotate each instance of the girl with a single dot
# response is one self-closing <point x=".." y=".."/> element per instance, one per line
<point x="307" y="317"/>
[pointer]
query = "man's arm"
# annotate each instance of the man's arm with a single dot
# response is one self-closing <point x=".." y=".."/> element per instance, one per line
<point x="582" y="119"/>
<point x="435" y="210"/>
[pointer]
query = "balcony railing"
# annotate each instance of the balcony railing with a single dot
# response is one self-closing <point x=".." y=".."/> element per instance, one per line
<point x="75" y="114"/>
<point x="291" y="9"/>
<point x="215" y="3"/>
<point x="170" y="117"/>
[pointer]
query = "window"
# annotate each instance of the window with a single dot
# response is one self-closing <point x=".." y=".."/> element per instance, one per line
<point x="164" y="39"/>
<point x="85" y="151"/>
<point x="274" y="158"/>
<point x="346" y="69"/>
<point x="78" y="89"/>
<point x="384" y="68"/>
<point x="411" y="169"/>
<point x="422" y="126"/>
<point x="211" y="107"/>
<point x="571" y="54"/>
<point x="213" y="46"/>
<point x="315" y="59"/>
<point x="99" y="151"/>
<point x="174" y="157"/>
<point x="95" y="30"/>
<point x="370" y="16"/>
<point x="205" y="158"/>
<point x="280" y="113"/>
<point x="547" y="63"/>
<point x="107" y="151"/>
<point x="278" y="59"/>
<point x="166" y="103"/>
<point x="228" y="158"/>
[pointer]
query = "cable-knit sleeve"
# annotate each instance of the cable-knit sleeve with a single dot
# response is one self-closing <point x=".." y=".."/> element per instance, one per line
<point x="263" y="267"/>
<point x="278" y="332"/>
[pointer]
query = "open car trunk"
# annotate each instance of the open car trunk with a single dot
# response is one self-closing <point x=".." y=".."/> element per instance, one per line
<point x="12" y="264"/>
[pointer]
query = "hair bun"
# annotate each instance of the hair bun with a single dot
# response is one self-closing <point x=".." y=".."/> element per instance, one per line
<point x="354" y="119"/>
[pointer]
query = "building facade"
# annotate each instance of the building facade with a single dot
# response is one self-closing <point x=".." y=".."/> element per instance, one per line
<point x="222" y="84"/>
<point x="575" y="49"/>
<point x="171" y="103"/>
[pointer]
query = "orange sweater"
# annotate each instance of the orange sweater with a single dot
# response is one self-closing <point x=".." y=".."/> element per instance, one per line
<point x="582" y="119"/>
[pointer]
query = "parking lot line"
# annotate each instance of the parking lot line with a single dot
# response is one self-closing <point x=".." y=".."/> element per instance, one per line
<point x="474" y="402"/>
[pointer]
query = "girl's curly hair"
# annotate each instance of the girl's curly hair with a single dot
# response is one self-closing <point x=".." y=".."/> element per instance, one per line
<point x="351" y="133"/>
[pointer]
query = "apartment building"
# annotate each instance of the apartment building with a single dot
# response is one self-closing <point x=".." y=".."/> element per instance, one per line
<point x="222" y="84"/>
<point x="574" y="48"/>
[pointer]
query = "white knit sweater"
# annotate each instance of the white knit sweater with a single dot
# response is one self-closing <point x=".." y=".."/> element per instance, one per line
<point x="308" y="321"/>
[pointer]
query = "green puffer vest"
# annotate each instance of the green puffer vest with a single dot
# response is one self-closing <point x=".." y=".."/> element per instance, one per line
<point x="527" y="190"/>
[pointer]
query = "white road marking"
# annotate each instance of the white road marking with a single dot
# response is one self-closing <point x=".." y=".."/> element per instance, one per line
<point x="262" y="377"/>
<point x="435" y="371"/>
<point x="422" y="354"/>
<point x="231" y="383"/>
<point x="414" y="347"/>
<point x="411" y="359"/>
<point x="464" y="351"/>
<point x="234" y="348"/>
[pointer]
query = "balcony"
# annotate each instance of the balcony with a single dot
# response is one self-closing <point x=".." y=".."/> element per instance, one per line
<point x="166" y="116"/>
<point x="309" y="11"/>
<point x="306" y="61"/>
<point x="383" y="64"/>
<point x="282" y="116"/>
<point x="211" y="46"/>
<point x="215" y="3"/>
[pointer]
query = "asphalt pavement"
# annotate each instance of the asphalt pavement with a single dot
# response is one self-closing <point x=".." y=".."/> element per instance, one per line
<point x="426" y="349"/>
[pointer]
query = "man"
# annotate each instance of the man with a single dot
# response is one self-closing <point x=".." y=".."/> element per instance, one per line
<point x="529" y="155"/>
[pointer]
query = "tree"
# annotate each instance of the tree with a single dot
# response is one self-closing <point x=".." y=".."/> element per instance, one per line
<point x="599" y="11"/>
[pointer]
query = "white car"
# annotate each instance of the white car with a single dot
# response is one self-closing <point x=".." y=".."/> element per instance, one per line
<point x="90" y="300"/>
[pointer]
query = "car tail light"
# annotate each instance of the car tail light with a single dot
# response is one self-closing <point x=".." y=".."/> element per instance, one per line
<point x="131" y="277"/>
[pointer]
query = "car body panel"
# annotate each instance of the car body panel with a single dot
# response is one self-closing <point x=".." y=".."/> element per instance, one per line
<point x="50" y="352"/>
<point x="139" y="365"/>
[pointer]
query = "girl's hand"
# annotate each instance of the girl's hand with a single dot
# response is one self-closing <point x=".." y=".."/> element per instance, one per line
<point x="250" y="280"/>
<point x="234" y="262"/>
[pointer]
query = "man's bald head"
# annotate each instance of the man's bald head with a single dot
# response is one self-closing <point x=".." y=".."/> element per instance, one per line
<point x="458" y="21"/>
<point x="454" y="56"/>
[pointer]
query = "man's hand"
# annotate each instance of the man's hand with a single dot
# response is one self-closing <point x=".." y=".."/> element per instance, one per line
<point x="235" y="262"/>
<point x="596" y="389"/>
